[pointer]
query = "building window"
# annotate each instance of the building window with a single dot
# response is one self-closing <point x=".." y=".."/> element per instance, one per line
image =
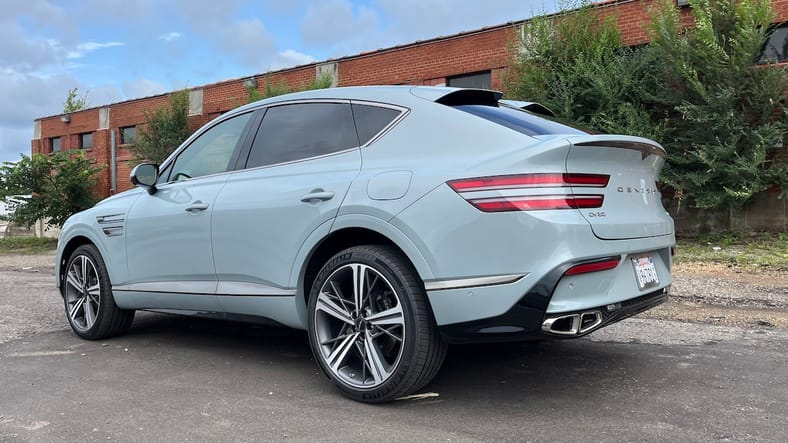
<point x="128" y="134"/>
<point x="776" y="49"/>
<point x="86" y="140"/>
<point x="54" y="144"/>
<point x="478" y="80"/>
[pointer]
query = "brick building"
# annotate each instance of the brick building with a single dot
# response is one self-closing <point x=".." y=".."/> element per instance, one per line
<point x="476" y="58"/>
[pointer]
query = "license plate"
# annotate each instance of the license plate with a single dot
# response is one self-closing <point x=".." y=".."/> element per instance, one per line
<point x="645" y="271"/>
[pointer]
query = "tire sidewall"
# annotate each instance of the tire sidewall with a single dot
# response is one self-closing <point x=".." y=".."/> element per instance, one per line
<point x="369" y="257"/>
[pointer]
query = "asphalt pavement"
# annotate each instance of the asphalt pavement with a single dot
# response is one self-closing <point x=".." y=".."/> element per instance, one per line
<point x="174" y="378"/>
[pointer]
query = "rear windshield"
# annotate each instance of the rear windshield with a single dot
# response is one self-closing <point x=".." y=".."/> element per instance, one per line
<point x="519" y="120"/>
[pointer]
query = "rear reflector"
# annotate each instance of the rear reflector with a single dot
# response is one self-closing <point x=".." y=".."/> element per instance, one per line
<point x="550" y="180"/>
<point x="538" y="202"/>
<point x="601" y="265"/>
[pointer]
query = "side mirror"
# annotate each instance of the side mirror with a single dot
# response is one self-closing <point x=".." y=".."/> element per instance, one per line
<point x="145" y="175"/>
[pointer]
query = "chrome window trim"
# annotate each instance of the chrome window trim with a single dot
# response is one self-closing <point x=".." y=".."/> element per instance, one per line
<point x="438" y="285"/>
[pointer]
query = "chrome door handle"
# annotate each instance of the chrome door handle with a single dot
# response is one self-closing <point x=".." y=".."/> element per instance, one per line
<point x="197" y="207"/>
<point x="317" y="195"/>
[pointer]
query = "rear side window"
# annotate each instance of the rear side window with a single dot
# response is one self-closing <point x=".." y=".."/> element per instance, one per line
<point x="301" y="131"/>
<point x="519" y="120"/>
<point x="370" y="120"/>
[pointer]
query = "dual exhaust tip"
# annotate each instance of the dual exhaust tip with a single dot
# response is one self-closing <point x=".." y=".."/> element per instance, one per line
<point x="573" y="324"/>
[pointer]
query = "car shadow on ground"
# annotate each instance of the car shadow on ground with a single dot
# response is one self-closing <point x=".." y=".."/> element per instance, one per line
<point x="557" y="370"/>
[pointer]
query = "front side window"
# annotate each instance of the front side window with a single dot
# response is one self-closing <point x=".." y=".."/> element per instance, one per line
<point x="301" y="131"/>
<point x="210" y="153"/>
<point x="54" y="144"/>
<point x="128" y="135"/>
<point x="86" y="140"/>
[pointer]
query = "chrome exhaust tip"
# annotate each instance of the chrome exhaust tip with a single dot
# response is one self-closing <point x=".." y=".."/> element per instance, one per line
<point x="562" y="325"/>
<point x="589" y="321"/>
<point x="573" y="324"/>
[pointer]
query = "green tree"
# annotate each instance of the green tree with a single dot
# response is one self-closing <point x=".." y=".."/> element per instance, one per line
<point x="50" y="187"/>
<point x="698" y="91"/>
<point x="730" y="113"/>
<point x="165" y="128"/>
<point x="74" y="102"/>
<point x="574" y="64"/>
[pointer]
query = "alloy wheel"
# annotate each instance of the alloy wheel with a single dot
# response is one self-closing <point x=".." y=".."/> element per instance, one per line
<point x="82" y="293"/>
<point x="360" y="326"/>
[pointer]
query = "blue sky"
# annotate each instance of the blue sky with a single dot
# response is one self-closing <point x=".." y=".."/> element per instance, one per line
<point x="122" y="49"/>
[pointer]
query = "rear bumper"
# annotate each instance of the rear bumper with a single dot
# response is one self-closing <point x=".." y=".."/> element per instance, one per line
<point x="524" y="322"/>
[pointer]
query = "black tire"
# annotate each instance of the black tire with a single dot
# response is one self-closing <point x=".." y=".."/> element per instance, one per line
<point x="95" y="315"/>
<point x="421" y="349"/>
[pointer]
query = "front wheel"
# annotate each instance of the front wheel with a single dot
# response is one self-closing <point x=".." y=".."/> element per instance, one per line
<point x="87" y="293"/>
<point x="370" y="326"/>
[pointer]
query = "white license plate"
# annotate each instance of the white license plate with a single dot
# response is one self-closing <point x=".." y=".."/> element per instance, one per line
<point x="645" y="271"/>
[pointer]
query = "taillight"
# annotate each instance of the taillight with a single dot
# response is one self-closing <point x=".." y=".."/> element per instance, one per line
<point x="537" y="202"/>
<point x="596" y="266"/>
<point x="529" y="181"/>
<point x="532" y="202"/>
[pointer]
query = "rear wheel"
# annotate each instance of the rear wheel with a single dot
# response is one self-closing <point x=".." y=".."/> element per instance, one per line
<point x="87" y="294"/>
<point x="370" y="326"/>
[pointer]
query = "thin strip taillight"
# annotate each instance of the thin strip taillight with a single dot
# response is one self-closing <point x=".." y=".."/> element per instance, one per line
<point x="547" y="180"/>
<point x="596" y="266"/>
<point x="533" y="202"/>
<point x="537" y="202"/>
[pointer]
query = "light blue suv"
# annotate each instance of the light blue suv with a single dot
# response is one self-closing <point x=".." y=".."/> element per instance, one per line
<point x="385" y="221"/>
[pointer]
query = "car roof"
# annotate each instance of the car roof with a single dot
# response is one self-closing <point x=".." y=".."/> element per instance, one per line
<point x="403" y="95"/>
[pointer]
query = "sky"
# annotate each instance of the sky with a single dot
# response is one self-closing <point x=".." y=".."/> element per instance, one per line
<point x="116" y="50"/>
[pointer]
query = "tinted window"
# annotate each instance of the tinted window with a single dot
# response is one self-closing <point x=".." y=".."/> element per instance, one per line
<point x="519" y="120"/>
<point x="210" y="153"/>
<point x="86" y="140"/>
<point x="295" y="132"/>
<point x="372" y="119"/>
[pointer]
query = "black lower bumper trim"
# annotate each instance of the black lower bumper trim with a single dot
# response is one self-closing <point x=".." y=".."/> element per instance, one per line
<point x="524" y="322"/>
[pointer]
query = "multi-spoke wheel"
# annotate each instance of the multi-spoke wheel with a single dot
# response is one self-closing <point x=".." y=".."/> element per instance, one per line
<point x="86" y="290"/>
<point x="370" y="325"/>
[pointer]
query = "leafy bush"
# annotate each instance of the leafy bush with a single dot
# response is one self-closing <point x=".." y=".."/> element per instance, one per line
<point x="697" y="91"/>
<point x="271" y="89"/>
<point x="51" y="187"/>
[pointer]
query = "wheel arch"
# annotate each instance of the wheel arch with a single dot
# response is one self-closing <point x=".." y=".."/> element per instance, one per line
<point x="347" y="233"/>
<point x="69" y="248"/>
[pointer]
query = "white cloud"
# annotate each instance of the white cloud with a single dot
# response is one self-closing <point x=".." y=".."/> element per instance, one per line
<point x="337" y="23"/>
<point x="83" y="48"/>
<point x="143" y="88"/>
<point x="289" y="58"/>
<point x="170" y="36"/>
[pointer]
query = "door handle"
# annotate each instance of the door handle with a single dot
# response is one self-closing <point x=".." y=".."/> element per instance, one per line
<point x="196" y="207"/>
<point x="317" y="195"/>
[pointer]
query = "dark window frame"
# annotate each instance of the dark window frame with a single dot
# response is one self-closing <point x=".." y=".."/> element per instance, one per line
<point x="122" y="136"/>
<point x="470" y="77"/>
<point x="769" y="48"/>
<point x="81" y="141"/>
<point x="51" y="144"/>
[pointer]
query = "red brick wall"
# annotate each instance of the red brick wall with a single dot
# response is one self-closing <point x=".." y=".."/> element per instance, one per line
<point x="425" y="63"/>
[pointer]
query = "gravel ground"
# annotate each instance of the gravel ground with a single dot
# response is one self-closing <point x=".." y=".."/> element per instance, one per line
<point x="702" y="293"/>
